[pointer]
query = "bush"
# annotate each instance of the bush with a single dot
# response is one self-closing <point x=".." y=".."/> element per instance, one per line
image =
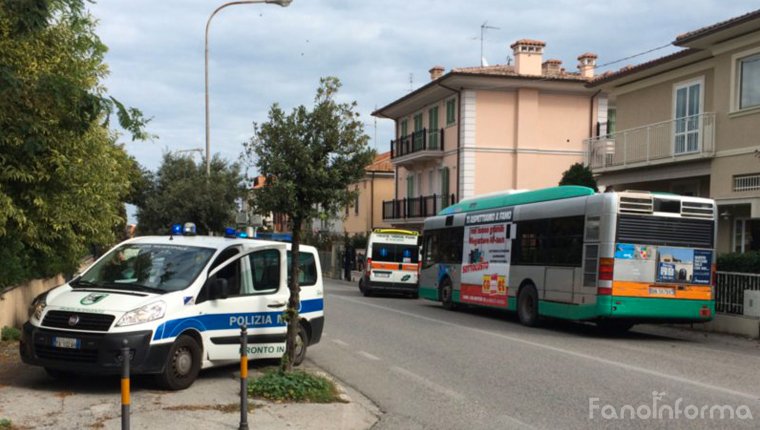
<point x="743" y="262"/>
<point x="10" y="334"/>
<point x="6" y="424"/>
<point x="294" y="387"/>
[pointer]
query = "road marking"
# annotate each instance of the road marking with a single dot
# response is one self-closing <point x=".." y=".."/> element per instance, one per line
<point x="428" y="383"/>
<point x="340" y="342"/>
<point x="367" y="355"/>
<point x="567" y="352"/>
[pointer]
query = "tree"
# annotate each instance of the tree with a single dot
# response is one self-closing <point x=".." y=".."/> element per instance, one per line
<point x="578" y="174"/>
<point x="63" y="176"/>
<point x="180" y="191"/>
<point x="310" y="156"/>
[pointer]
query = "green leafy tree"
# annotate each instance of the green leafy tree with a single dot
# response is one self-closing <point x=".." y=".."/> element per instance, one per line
<point x="63" y="176"/>
<point x="180" y="191"/>
<point x="310" y="156"/>
<point x="578" y="174"/>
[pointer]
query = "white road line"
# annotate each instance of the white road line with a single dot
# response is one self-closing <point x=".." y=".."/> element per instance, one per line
<point x="428" y="383"/>
<point x="368" y="355"/>
<point x="340" y="342"/>
<point x="567" y="352"/>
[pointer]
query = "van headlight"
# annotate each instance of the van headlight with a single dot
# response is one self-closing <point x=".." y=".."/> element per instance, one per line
<point x="38" y="305"/>
<point x="147" y="313"/>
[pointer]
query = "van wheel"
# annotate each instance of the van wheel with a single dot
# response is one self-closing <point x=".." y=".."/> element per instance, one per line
<point x="447" y="295"/>
<point x="527" y="306"/>
<point x="302" y="342"/>
<point x="182" y="364"/>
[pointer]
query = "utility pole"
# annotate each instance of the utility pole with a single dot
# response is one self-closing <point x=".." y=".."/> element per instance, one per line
<point x="483" y="28"/>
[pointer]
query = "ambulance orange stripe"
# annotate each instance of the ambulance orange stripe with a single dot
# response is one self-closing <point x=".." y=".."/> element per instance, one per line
<point x="641" y="289"/>
<point x="394" y="266"/>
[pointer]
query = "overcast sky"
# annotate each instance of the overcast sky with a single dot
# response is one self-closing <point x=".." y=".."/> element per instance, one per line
<point x="262" y="54"/>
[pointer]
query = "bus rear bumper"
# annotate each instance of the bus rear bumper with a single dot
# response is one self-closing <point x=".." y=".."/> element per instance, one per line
<point x="645" y="309"/>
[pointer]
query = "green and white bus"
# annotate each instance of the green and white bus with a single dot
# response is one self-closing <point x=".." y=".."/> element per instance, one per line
<point x="617" y="258"/>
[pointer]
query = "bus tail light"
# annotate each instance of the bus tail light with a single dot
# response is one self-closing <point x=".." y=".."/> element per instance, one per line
<point x="606" y="267"/>
<point x="369" y="265"/>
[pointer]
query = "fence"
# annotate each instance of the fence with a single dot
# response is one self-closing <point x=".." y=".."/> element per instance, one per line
<point x="729" y="291"/>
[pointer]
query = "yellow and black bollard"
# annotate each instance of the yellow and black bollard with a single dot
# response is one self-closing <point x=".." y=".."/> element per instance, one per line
<point x="125" y="385"/>
<point x="243" y="378"/>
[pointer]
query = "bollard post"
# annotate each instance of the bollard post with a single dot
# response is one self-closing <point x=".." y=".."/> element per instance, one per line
<point x="125" y="385"/>
<point x="243" y="378"/>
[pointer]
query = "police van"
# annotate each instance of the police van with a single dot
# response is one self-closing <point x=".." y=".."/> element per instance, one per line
<point x="179" y="301"/>
<point x="393" y="263"/>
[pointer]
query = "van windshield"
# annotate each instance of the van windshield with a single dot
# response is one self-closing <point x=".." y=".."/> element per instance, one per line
<point x="395" y="253"/>
<point x="147" y="267"/>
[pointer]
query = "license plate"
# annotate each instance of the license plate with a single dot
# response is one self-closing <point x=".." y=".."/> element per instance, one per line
<point x="383" y="274"/>
<point x="65" y="342"/>
<point x="659" y="291"/>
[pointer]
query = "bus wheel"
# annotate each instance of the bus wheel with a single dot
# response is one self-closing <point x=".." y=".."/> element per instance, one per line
<point x="614" y="327"/>
<point x="447" y="295"/>
<point x="527" y="306"/>
<point x="182" y="364"/>
<point x="302" y="342"/>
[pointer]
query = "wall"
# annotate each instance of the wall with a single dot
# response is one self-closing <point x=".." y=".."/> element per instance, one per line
<point x="362" y="222"/>
<point x="14" y="304"/>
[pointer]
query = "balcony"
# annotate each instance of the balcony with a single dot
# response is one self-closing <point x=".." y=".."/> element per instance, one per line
<point x="683" y="139"/>
<point x="418" y="146"/>
<point x="416" y="209"/>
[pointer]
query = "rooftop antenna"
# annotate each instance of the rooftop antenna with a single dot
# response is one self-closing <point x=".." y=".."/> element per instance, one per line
<point x="375" y="140"/>
<point x="483" y="28"/>
<point x="411" y="81"/>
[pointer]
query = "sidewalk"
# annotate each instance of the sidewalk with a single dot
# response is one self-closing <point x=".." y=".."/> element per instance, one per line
<point x="30" y="399"/>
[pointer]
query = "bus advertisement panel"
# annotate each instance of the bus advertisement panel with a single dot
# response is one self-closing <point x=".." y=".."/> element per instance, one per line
<point x="486" y="257"/>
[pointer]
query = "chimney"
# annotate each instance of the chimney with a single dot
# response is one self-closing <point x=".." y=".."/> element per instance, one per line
<point x="551" y="67"/>
<point x="528" y="55"/>
<point x="587" y="64"/>
<point x="436" y="72"/>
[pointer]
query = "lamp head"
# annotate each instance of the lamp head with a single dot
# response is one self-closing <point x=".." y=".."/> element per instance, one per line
<point x="283" y="3"/>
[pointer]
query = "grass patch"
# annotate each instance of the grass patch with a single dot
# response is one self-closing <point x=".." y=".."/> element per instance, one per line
<point x="6" y="424"/>
<point x="294" y="386"/>
<point x="11" y="334"/>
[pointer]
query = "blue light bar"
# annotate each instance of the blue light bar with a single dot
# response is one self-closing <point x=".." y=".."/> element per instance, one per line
<point x="177" y="229"/>
<point x="230" y="232"/>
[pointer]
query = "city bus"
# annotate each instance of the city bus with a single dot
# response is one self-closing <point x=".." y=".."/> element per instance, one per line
<point x="616" y="258"/>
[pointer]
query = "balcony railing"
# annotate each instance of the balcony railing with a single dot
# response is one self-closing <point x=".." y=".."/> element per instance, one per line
<point x="416" y="207"/>
<point x="654" y="143"/>
<point x="422" y="140"/>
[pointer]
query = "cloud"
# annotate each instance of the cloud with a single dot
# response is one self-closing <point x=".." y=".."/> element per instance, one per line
<point x="261" y="54"/>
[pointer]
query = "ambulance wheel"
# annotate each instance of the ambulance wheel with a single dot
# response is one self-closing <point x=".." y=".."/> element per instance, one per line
<point x="447" y="295"/>
<point x="366" y="291"/>
<point x="415" y="295"/>
<point x="302" y="342"/>
<point x="182" y="364"/>
<point x="527" y="306"/>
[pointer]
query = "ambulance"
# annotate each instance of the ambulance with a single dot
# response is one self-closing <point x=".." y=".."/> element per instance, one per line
<point x="393" y="263"/>
<point x="179" y="301"/>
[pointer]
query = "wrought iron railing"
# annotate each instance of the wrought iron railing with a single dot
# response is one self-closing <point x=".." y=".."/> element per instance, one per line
<point x="422" y="140"/>
<point x="729" y="291"/>
<point x="416" y="207"/>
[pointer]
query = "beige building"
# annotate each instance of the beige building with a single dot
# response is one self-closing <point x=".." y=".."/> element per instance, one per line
<point x="377" y="185"/>
<point x="689" y="123"/>
<point x="478" y="130"/>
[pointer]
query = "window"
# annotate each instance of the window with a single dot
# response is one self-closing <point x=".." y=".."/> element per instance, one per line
<point x="418" y="136"/>
<point x="410" y="185"/>
<point x="356" y="202"/>
<point x="611" y="120"/>
<point x="262" y="274"/>
<point x="307" y="269"/>
<point x="451" y="111"/>
<point x="749" y="82"/>
<point x="746" y="235"/>
<point x="444" y="187"/>
<point x="418" y="122"/>
<point x="404" y="128"/>
<point x="549" y="242"/>
<point x="443" y="246"/>
<point x="433" y="128"/>
<point x="687" y="107"/>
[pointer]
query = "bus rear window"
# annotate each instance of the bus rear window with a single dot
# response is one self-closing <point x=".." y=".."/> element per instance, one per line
<point x="393" y="253"/>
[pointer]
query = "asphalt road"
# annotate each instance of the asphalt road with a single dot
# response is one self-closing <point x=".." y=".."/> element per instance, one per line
<point x="428" y="368"/>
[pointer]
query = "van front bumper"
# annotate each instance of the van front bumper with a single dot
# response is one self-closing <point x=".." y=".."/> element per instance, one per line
<point x="97" y="353"/>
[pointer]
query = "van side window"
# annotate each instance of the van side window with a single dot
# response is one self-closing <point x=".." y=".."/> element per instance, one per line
<point x="307" y="269"/>
<point x="261" y="274"/>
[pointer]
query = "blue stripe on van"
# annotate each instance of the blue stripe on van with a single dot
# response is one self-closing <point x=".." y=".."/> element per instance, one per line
<point x="201" y="323"/>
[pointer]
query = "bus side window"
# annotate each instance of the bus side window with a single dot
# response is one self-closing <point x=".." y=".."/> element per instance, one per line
<point x="430" y="249"/>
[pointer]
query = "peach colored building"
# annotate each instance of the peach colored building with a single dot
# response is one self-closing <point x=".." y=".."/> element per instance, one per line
<point x="688" y="123"/>
<point x="477" y="130"/>
<point x="366" y="213"/>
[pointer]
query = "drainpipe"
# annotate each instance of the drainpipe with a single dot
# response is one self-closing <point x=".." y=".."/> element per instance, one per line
<point x="459" y="134"/>
<point x="587" y="157"/>
<point x="372" y="201"/>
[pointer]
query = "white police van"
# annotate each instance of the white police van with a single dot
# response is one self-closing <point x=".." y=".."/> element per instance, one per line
<point x="179" y="301"/>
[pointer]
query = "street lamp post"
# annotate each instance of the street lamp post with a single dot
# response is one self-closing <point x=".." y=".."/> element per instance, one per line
<point x="283" y="3"/>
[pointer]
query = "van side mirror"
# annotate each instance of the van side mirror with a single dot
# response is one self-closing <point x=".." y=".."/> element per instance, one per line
<point x="219" y="289"/>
